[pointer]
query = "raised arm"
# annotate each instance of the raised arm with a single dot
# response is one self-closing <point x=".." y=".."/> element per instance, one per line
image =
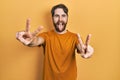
<point x="85" y="50"/>
<point x="28" y="38"/>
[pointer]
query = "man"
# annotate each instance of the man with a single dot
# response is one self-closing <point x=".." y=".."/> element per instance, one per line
<point x="59" y="45"/>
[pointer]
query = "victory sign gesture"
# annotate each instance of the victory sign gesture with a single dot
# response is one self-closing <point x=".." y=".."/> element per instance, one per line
<point x="85" y="49"/>
<point x="26" y="37"/>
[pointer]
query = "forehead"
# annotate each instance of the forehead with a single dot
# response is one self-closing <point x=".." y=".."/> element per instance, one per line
<point x="59" y="11"/>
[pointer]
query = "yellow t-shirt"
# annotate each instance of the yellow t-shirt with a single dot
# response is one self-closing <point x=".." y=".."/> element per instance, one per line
<point x="59" y="61"/>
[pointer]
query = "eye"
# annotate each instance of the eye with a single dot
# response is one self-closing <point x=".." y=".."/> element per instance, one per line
<point x="63" y="15"/>
<point x="56" y="15"/>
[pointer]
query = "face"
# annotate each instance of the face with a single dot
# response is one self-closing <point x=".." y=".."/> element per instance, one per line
<point x="60" y="19"/>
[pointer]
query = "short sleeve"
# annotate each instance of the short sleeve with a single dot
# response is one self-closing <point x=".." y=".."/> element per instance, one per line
<point x="76" y="39"/>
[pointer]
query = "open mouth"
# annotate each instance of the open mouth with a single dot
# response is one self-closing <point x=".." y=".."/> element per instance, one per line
<point x="60" y="23"/>
<point x="60" y="26"/>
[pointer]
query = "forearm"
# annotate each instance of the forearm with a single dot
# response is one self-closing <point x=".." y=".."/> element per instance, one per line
<point x="36" y="41"/>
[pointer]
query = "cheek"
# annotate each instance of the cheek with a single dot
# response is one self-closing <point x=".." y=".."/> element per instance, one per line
<point x="65" y="19"/>
<point x="55" y="20"/>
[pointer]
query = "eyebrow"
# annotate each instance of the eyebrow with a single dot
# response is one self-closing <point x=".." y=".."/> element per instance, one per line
<point x="62" y="14"/>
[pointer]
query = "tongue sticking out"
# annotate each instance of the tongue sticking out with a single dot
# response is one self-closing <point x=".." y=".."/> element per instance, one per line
<point x="60" y="26"/>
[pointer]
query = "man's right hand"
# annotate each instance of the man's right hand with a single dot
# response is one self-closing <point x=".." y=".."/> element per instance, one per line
<point x="26" y="37"/>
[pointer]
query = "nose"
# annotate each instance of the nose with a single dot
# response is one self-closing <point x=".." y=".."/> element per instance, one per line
<point x="60" y="18"/>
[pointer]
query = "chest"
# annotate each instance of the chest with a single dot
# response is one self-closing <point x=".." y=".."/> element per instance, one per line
<point x="62" y="43"/>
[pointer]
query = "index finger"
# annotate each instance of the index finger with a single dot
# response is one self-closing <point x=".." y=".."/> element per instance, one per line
<point x="88" y="39"/>
<point x="28" y="25"/>
<point x="79" y="38"/>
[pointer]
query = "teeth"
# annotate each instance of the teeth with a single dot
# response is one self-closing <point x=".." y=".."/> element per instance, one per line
<point x="60" y="23"/>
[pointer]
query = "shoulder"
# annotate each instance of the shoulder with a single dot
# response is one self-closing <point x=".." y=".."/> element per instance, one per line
<point x="72" y="33"/>
<point x="46" y="34"/>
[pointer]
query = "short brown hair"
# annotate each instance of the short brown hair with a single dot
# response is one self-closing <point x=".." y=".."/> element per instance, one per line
<point x="65" y="9"/>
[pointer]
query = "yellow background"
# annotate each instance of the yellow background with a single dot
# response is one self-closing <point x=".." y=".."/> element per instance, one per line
<point x="101" y="18"/>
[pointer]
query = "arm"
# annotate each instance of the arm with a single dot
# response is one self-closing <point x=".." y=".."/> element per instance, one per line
<point x="28" y="38"/>
<point x="85" y="50"/>
<point x="36" y="42"/>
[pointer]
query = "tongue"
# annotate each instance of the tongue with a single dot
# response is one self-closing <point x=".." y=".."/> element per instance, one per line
<point x="60" y="26"/>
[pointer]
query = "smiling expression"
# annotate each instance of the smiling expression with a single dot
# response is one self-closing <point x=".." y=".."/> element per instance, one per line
<point x="60" y="19"/>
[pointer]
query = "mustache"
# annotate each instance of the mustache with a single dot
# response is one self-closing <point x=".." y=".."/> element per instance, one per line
<point x="63" y="23"/>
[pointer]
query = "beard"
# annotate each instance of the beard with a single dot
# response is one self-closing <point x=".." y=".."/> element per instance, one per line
<point x="60" y="26"/>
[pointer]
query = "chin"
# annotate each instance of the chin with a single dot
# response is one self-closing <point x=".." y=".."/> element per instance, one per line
<point x="60" y="30"/>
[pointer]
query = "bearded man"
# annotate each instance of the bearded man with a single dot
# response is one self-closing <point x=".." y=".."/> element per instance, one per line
<point x="59" y="46"/>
